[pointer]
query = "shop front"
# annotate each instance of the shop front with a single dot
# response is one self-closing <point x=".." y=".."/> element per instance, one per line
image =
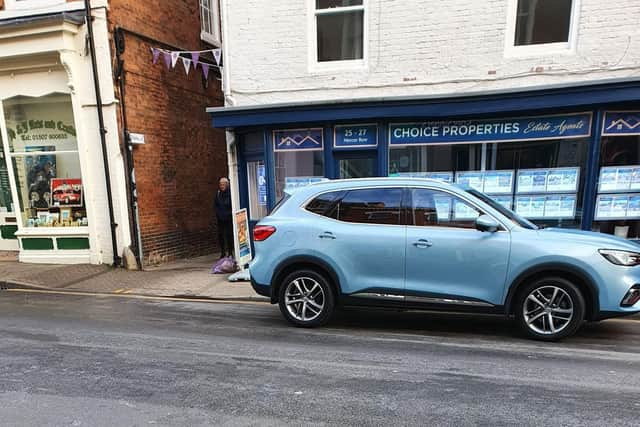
<point x="53" y="197"/>
<point x="562" y="157"/>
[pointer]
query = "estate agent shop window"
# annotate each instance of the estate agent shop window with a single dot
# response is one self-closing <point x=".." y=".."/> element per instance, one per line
<point x="299" y="157"/>
<point x="43" y="147"/>
<point x="618" y="200"/>
<point x="535" y="166"/>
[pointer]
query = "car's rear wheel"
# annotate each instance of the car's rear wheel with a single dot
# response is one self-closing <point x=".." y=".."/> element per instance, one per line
<point x="550" y="309"/>
<point x="306" y="298"/>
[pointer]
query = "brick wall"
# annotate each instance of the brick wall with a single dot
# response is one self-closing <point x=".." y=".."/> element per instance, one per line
<point x="178" y="167"/>
<point x="419" y="47"/>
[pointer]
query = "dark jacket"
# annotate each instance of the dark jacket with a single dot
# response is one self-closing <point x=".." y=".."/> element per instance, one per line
<point x="222" y="204"/>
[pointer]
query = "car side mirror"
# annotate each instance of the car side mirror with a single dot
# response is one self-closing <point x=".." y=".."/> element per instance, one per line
<point x="486" y="223"/>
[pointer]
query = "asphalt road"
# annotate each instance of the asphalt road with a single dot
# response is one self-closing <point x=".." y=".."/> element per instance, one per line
<point x="107" y="361"/>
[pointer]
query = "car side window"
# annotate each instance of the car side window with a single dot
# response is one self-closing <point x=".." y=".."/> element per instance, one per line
<point x="371" y="206"/>
<point x="325" y="204"/>
<point x="435" y="208"/>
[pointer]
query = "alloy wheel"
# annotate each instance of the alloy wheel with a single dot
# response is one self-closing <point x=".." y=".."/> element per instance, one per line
<point x="304" y="299"/>
<point x="548" y="310"/>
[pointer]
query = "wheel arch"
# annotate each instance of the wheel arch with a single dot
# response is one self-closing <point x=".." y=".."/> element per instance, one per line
<point x="574" y="274"/>
<point x="300" y="262"/>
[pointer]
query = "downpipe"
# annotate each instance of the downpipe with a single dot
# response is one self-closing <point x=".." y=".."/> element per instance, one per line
<point x="117" y="260"/>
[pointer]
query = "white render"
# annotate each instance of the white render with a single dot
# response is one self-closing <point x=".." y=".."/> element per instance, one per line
<point x="418" y="47"/>
<point x="41" y="59"/>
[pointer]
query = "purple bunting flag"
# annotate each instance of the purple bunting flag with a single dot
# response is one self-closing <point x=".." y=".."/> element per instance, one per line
<point x="195" y="56"/>
<point x="156" y="54"/>
<point x="205" y="70"/>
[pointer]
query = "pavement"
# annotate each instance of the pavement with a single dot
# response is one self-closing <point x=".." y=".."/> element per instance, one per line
<point x="123" y="360"/>
<point x="185" y="278"/>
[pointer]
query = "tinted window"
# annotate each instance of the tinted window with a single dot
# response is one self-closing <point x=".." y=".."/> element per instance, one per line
<point x="371" y="206"/>
<point x="325" y="204"/>
<point x="439" y="209"/>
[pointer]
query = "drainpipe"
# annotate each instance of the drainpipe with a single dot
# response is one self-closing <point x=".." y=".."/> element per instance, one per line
<point x="103" y="131"/>
<point x="132" y="195"/>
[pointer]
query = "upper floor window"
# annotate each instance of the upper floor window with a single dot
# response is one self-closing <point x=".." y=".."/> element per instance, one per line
<point x="542" y="26"/>
<point x="210" y="21"/>
<point x="340" y="30"/>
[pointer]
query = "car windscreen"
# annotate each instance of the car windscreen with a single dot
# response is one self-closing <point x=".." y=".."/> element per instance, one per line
<point x="514" y="217"/>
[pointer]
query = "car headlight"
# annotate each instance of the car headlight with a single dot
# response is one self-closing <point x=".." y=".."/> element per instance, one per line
<point x="626" y="258"/>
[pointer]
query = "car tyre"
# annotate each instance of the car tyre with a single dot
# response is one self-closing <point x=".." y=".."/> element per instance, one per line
<point x="306" y="298"/>
<point x="550" y="308"/>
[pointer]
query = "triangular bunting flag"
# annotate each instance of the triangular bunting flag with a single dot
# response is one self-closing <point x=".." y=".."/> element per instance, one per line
<point x="217" y="54"/>
<point x="194" y="57"/>
<point x="187" y="65"/>
<point x="174" y="58"/>
<point x="205" y="70"/>
<point x="156" y="54"/>
<point x="167" y="59"/>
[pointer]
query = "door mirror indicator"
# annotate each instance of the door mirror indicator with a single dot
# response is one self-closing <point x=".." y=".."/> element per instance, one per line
<point x="485" y="223"/>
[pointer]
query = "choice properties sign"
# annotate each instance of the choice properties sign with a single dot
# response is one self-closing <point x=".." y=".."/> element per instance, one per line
<point x="497" y="130"/>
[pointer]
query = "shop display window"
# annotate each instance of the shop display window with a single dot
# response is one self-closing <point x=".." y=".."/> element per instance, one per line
<point x="42" y="145"/>
<point x="542" y="180"/>
<point x="296" y="168"/>
<point x="414" y="160"/>
<point x="617" y="209"/>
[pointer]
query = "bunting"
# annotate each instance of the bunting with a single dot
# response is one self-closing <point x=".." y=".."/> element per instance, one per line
<point x="188" y="58"/>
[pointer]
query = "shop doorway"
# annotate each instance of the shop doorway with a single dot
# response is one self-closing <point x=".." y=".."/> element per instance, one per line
<point x="362" y="164"/>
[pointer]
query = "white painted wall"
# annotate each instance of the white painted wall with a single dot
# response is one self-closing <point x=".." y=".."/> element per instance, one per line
<point x="418" y="47"/>
<point x="49" y="58"/>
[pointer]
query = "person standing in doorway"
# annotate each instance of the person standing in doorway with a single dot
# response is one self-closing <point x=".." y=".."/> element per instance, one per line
<point x="222" y="204"/>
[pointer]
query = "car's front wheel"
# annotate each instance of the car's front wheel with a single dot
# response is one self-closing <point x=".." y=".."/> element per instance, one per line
<point x="550" y="308"/>
<point x="306" y="298"/>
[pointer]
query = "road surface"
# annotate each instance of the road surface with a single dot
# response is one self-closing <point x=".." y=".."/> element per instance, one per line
<point x="104" y="361"/>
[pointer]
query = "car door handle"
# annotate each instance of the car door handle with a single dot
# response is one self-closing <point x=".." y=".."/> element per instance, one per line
<point x="327" y="235"/>
<point x="422" y="243"/>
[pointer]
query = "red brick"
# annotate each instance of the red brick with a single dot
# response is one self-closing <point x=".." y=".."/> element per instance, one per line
<point x="183" y="157"/>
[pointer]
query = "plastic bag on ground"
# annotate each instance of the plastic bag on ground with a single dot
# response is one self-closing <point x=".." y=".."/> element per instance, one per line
<point x="224" y="266"/>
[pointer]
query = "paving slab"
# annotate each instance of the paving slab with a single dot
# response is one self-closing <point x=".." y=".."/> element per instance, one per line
<point x="190" y="277"/>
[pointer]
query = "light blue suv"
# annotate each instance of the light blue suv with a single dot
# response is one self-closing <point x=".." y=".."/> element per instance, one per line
<point x="422" y="244"/>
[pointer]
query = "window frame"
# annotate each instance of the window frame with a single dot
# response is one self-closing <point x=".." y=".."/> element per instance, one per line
<point x="214" y="38"/>
<point x="29" y="4"/>
<point x="316" y="66"/>
<point x="543" y="49"/>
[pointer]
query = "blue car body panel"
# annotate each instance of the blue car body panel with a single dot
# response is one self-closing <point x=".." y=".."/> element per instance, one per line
<point x="464" y="264"/>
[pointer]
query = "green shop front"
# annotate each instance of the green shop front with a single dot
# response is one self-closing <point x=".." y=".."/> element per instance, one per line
<point x="561" y="156"/>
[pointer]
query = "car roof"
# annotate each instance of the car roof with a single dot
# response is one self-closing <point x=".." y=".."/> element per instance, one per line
<point x="344" y="184"/>
<point x="367" y="182"/>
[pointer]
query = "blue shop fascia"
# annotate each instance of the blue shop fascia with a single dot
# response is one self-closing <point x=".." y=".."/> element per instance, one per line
<point x="562" y="156"/>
